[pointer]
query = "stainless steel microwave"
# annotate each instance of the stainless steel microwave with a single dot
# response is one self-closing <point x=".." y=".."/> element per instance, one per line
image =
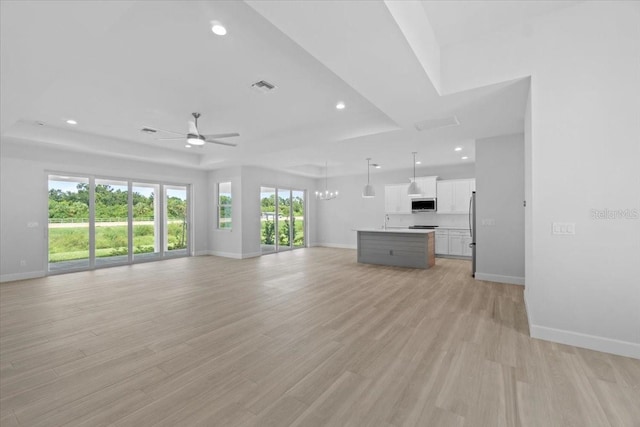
<point x="423" y="205"/>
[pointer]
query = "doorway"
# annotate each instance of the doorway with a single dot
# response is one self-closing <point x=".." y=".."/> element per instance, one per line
<point x="282" y="219"/>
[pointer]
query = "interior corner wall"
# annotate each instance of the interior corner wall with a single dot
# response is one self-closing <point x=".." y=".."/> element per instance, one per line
<point x="581" y="289"/>
<point x="246" y="204"/>
<point x="529" y="202"/>
<point x="499" y="208"/>
<point x="24" y="198"/>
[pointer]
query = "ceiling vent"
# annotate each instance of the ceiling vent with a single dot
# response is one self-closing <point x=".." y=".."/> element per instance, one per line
<point x="263" y="86"/>
<point x="148" y="130"/>
<point x="431" y="124"/>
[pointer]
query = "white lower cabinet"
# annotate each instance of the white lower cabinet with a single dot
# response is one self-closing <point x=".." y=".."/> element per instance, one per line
<point x="442" y="242"/>
<point x="453" y="242"/>
<point x="466" y="248"/>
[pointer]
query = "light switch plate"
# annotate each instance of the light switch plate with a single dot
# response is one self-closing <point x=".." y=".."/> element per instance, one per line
<point x="564" y="228"/>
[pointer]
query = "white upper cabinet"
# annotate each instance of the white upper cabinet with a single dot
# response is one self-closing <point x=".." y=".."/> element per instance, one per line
<point x="396" y="199"/>
<point x="454" y="195"/>
<point x="427" y="186"/>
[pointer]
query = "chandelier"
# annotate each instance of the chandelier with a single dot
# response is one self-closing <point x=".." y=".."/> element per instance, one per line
<point x="326" y="194"/>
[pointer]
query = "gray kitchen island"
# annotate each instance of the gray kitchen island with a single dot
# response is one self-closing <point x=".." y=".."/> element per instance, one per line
<point x="397" y="247"/>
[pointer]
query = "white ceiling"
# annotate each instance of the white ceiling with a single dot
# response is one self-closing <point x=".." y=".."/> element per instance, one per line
<point x="118" y="66"/>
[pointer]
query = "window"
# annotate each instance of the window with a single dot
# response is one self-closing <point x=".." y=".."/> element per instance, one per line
<point x="224" y="205"/>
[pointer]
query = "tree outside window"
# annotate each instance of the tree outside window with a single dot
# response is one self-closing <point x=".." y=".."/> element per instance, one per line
<point x="224" y="205"/>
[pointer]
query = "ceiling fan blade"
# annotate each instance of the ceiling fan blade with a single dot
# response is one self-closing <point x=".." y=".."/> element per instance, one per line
<point x="221" y="135"/>
<point x="168" y="131"/>
<point x="171" y="139"/>
<point x="193" y="129"/>
<point x="213" y="141"/>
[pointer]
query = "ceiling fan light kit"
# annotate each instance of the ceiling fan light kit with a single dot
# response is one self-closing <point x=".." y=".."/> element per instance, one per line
<point x="193" y="136"/>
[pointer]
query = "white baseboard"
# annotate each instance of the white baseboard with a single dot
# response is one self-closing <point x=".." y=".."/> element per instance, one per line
<point x="337" y="245"/>
<point x="592" y="342"/>
<point x="201" y="253"/>
<point x="526" y="309"/>
<point x="21" y="276"/>
<point x="226" y="254"/>
<point x="251" y="255"/>
<point x="513" y="280"/>
<point x="233" y="255"/>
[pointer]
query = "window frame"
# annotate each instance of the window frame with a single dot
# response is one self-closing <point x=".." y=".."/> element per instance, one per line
<point x="229" y="206"/>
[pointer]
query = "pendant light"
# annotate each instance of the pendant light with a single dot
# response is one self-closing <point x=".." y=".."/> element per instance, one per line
<point x="368" y="192"/>
<point x="413" y="189"/>
<point x="326" y="195"/>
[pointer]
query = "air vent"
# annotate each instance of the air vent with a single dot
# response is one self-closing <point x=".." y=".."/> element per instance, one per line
<point x="431" y="124"/>
<point x="148" y="130"/>
<point x="263" y="86"/>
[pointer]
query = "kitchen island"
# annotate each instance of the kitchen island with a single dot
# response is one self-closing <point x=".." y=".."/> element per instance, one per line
<point x="398" y="247"/>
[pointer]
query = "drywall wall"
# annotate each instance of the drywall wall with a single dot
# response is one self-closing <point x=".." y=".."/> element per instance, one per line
<point x="227" y="243"/>
<point x="500" y="210"/>
<point x="581" y="289"/>
<point x="243" y="241"/>
<point x="255" y="177"/>
<point x="23" y="198"/>
<point x="338" y="218"/>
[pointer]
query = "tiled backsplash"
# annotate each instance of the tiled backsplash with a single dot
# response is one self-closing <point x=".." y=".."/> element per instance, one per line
<point x="428" y="218"/>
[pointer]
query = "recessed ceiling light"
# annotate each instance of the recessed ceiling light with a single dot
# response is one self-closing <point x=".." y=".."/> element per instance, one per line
<point x="418" y="162"/>
<point x="218" y="29"/>
<point x="340" y="105"/>
<point x="464" y="158"/>
<point x="187" y="145"/>
<point x="375" y="165"/>
<point x="458" y="149"/>
<point x="72" y="122"/>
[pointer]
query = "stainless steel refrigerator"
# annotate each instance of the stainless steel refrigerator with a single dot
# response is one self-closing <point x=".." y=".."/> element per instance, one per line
<point x="472" y="230"/>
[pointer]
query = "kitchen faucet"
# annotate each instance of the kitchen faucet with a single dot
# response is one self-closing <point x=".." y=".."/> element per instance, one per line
<point x="386" y="221"/>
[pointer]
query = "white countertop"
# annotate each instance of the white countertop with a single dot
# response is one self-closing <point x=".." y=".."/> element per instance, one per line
<point x="395" y="230"/>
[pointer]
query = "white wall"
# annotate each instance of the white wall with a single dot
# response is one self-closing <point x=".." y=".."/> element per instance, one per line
<point x="23" y="198"/>
<point x="499" y="207"/>
<point x="255" y="177"/>
<point x="338" y="217"/>
<point x="244" y="239"/>
<point x="585" y="151"/>
<point x="226" y="243"/>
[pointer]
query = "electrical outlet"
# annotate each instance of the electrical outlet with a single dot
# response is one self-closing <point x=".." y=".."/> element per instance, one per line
<point x="32" y="224"/>
<point x="23" y="263"/>
<point x="564" y="228"/>
<point x="488" y="222"/>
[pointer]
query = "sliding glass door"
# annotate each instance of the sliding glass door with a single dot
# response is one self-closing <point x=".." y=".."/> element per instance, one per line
<point x="298" y="221"/>
<point x="96" y="222"/>
<point x="111" y="243"/>
<point x="282" y="219"/>
<point x="68" y="223"/>
<point x="268" y="216"/>
<point x="146" y="221"/>
<point x="176" y="224"/>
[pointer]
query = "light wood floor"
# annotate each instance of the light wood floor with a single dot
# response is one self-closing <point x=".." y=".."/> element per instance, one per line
<point x="304" y="338"/>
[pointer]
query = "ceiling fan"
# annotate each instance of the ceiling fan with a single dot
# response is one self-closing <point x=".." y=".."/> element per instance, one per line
<point x="194" y="137"/>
